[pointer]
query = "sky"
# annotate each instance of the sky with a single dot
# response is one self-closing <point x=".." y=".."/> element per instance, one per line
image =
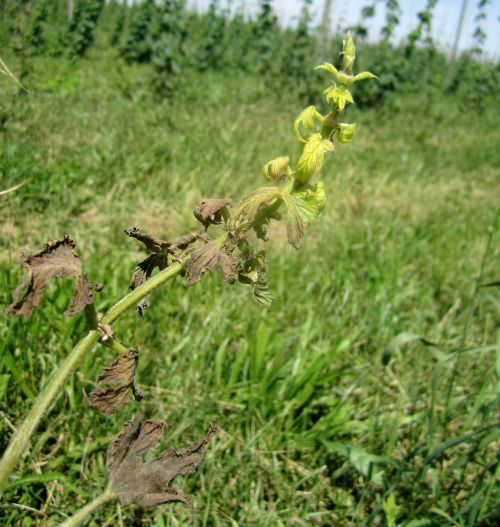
<point x="346" y="13"/>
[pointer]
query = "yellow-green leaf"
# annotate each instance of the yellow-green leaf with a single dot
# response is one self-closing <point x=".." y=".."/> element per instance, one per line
<point x="276" y="169"/>
<point x="345" y="132"/>
<point x="339" y="96"/>
<point x="310" y="119"/>
<point x="328" y="67"/>
<point x="303" y="207"/>
<point x="348" y="53"/>
<point x="251" y="205"/>
<point x="312" y="158"/>
<point x="364" y="75"/>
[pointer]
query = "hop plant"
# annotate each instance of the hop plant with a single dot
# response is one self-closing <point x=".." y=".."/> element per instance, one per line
<point x="295" y="191"/>
<point x="137" y="47"/>
<point x="211" y="48"/>
<point x="265" y="43"/>
<point x="167" y="50"/>
<point x="82" y="27"/>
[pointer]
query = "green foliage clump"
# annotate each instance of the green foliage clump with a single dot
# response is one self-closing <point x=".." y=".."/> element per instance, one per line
<point x="299" y="57"/>
<point x="262" y="56"/>
<point x="36" y="33"/>
<point x="479" y="35"/>
<point x="167" y="52"/>
<point x="137" y="47"/>
<point x="82" y="26"/>
<point x="211" y="47"/>
<point x="120" y="12"/>
<point x="393" y="12"/>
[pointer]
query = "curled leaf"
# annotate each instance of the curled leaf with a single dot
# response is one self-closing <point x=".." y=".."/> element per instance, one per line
<point x="328" y="67"/>
<point x="142" y="273"/>
<point x="348" y="53"/>
<point x="276" y="169"/>
<point x="339" y="96"/>
<point x="345" y="132"/>
<point x="255" y="202"/>
<point x="211" y="211"/>
<point x="345" y="78"/>
<point x="310" y="119"/>
<point x="312" y="157"/>
<point x="303" y="207"/>
<point x="59" y="260"/>
<point x="145" y="484"/>
<point x="109" y="400"/>
<point x="252" y="271"/>
<point x="208" y="258"/>
<point x="364" y="75"/>
<point x="121" y="372"/>
<point x="152" y="244"/>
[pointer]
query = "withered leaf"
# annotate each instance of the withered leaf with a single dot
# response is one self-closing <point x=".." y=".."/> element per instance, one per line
<point x="207" y="259"/>
<point x="209" y="211"/>
<point x="145" y="484"/>
<point x="152" y="244"/>
<point x="122" y="370"/>
<point x="142" y="273"/>
<point x="160" y="250"/>
<point x="185" y="241"/>
<point x="109" y="400"/>
<point x="252" y="271"/>
<point x="58" y="260"/>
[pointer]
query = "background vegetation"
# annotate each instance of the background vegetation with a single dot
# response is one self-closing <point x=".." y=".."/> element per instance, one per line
<point x="368" y="393"/>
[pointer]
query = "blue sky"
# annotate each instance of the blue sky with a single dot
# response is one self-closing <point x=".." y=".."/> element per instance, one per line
<point x="347" y="12"/>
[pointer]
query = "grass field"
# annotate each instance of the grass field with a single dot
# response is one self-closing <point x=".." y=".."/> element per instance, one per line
<point x="314" y="429"/>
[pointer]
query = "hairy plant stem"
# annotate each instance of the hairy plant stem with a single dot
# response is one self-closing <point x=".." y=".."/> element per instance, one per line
<point x="20" y="439"/>
<point x="84" y="512"/>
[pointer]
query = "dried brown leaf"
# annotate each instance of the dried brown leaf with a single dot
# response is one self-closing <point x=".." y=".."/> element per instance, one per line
<point x="152" y="244"/>
<point x="142" y="273"/>
<point x="58" y="260"/>
<point x="109" y="400"/>
<point x="207" y="259"/>
<point x="185" y="241"/>
<point x="145" y="484"/>
<point x="209" y="211"/>
<point x="122" y="370"/>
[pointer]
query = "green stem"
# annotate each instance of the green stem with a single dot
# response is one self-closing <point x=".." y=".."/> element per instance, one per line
<point x="82" y="514"/>
<point x="21" y="438"/>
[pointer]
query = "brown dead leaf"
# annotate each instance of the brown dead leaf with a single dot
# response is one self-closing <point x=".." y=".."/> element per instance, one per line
<point x="142" y="273"/>
<point x="152" y="244"/>
<point x="145" y="484"/>
<point x="207" y="259"/>
<point x="160" y="249"/>
<point x="109" y="400"/>
<point x="209" y="211"/>
<point x="122" y="370"/>
<point x="58" y="260"/>
<point x="159" y="258"/>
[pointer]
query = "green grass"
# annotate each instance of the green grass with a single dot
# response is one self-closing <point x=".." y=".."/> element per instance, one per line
<point x="313" y="428"/>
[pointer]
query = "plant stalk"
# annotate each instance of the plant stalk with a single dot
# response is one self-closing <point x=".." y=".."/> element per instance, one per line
<point x="88" y="509"/>
<point x="20" y="439"/>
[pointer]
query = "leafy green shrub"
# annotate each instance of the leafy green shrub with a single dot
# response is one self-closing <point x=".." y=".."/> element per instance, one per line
<point x="82" y="27"/>
<point x="167" y="50"/>
<point x="211" y="47"/>
<point x="298" y="59"/>
<point x="262" y="56"/>
<point x="137" y="47"/>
